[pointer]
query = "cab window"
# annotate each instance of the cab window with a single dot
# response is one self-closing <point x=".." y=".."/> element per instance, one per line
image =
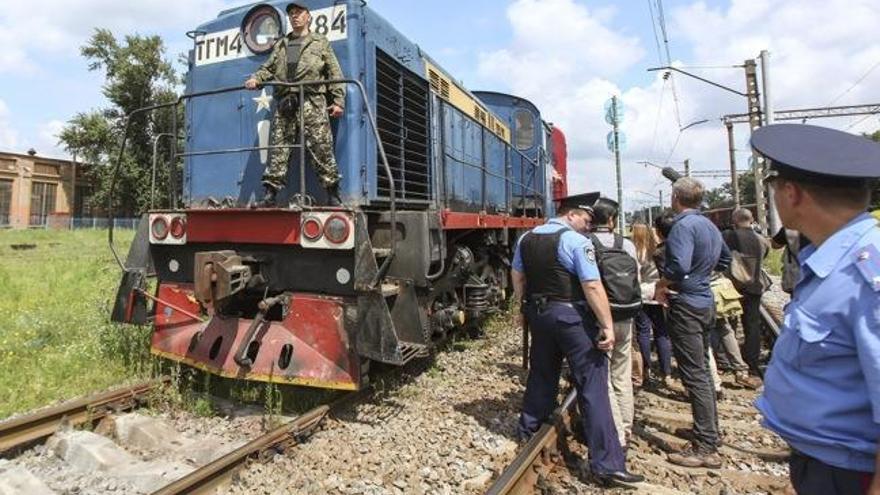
<point x="524" y="129"/>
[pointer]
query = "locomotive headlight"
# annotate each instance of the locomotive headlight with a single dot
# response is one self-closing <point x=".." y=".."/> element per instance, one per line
<point x="260" y="28"/>
<point x="337" y="230"/>
<point x="159" y="228"/>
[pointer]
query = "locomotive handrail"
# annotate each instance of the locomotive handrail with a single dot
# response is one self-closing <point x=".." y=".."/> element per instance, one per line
<point x="392" y="188"/>
<point x="156" y="139"/>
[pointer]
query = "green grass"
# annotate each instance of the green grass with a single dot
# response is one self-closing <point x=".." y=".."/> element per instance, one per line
<point x="56" y="341"/>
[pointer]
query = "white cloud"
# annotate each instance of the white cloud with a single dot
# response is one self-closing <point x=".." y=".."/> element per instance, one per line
<point x="555" y="42"/>
<point x="60" y="27"/>
<point x="8" y="135"/>
<point x="819" y="48"/>
<point x="47" y="140"/>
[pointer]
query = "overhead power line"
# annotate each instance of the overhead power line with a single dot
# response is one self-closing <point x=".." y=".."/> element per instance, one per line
<point x="654" y="27"/>
<point x="657" y="117"/>
<point x="866" y="117"/>
<point x="858" y="81"/>
<point x="662" y="21"/>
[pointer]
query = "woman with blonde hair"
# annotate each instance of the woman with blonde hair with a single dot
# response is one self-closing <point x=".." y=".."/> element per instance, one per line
<point x="651" y="316"/>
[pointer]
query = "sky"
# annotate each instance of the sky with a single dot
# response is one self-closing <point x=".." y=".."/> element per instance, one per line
<point x="566" y="56"/>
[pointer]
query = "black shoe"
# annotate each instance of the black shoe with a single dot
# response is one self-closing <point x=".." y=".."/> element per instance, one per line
<point x="619" y="478"/>
<point x="269" y="196"/>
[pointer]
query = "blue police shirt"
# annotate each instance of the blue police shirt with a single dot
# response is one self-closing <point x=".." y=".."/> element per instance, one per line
<point x="694" y="250"/>
<point x="822" y="388"/>
<point x="575" y="252"/>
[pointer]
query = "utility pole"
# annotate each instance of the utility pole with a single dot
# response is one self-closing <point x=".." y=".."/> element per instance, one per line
<point x="661" y="199"/>
<point x="772" y="214"/>
<point x="687" y="167"/>
<point x="734" y="178"/>
<point x="620" y="216"/>
<point x="754" y="101"/>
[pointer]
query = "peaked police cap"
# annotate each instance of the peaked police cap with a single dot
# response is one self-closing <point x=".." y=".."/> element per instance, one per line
<point x="583" y="201"/>
<point x="814" y="154"/>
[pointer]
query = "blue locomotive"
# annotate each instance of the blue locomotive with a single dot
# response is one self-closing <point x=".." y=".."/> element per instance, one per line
<point x="438" y="182"/>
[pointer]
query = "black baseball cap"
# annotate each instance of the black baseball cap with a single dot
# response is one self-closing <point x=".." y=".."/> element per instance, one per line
<point x="298" y="5"/>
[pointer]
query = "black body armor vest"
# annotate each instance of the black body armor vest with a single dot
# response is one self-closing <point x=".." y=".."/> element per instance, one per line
<point x="294" y="53"/>
<point x="545" y="275"/>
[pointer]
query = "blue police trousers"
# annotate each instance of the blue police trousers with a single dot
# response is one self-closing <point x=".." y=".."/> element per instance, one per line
<point x="562" y="331"/>
<point x="810" y="476"/>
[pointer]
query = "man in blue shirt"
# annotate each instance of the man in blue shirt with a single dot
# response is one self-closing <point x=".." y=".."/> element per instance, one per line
<point x="556" y="277"/>
<point x="694" y="249"/>
<point x="822" y="388"/>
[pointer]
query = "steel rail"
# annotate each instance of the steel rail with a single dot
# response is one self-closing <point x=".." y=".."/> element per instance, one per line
<point x="521" y="474"/>
<point x="25" y="429"/>
<point x="214" y="474"/>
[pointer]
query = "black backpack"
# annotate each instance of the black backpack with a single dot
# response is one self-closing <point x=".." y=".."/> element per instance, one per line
<point x="620" y="276"/>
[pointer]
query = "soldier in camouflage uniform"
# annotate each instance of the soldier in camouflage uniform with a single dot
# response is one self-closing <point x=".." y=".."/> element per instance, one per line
<point x="302" y="56"/>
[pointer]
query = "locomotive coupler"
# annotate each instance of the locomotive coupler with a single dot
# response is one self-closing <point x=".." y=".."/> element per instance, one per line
<point x="218" y="275"/>
<point x="243" y="357"/>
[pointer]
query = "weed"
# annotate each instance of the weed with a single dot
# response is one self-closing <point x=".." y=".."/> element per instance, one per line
<point x="56" y="340"/>
<point x="202" y="406"/>
<point x="273" y="403"/>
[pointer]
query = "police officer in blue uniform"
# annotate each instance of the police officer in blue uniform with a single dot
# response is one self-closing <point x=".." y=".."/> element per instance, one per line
<point x="556" y="277"/>
<point x="822" y="388"/>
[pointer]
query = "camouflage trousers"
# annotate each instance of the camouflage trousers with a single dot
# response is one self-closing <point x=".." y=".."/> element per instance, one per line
<point x="318" y="141"/>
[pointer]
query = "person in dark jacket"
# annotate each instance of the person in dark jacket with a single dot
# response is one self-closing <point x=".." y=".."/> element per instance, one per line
<point x="753" y="249"/>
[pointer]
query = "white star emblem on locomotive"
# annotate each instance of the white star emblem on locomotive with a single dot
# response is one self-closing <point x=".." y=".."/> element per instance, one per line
<point x="263" y="101"/>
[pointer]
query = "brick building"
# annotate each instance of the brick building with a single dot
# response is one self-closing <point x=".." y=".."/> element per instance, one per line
<point x="37" y="191"/>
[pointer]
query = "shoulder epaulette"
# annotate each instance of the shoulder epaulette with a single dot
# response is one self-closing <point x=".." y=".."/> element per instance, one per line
<point x="868" y="263"/>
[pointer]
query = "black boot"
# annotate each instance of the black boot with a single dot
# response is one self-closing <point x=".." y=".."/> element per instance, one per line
<point x="269" y="195"/>
<point x="333" y="198"/>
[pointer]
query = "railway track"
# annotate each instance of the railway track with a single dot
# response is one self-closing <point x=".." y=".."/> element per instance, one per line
<point x="208" y="478"/>
<point x="23" y="430"/>
<point x="103" y="454"/>
<point x="539" y="456"/>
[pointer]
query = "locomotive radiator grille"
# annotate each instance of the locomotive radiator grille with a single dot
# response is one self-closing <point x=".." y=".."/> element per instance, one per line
<point x="403" y="123"/>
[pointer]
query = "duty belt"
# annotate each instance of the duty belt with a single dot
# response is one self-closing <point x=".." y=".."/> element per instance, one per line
<point x="540" y="302"/>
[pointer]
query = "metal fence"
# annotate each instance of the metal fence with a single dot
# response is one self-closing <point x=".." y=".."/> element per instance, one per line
<point x="103" y="223"/>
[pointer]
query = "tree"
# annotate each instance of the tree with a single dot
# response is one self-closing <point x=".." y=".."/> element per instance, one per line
<point x="137" y="75"/>
<point x="722" y="197"/>
<point x="718" y="197"/>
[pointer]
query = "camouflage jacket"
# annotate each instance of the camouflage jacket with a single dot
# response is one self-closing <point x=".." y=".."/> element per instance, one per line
<point x="317" y="62"/>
